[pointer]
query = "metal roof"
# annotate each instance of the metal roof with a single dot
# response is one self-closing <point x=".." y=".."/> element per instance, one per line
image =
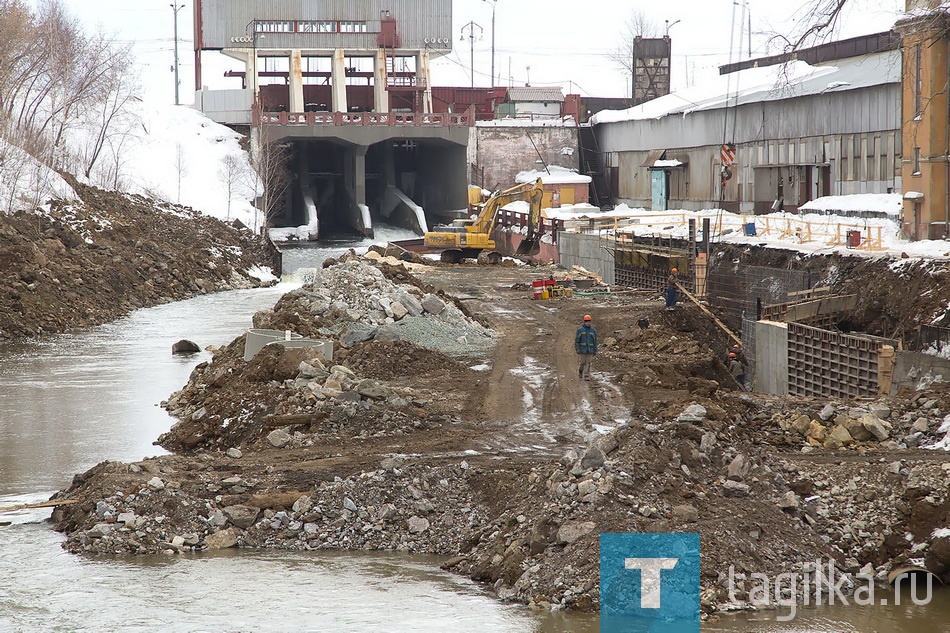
<point x="536" y="95"/>
<point x="773" y="83"/>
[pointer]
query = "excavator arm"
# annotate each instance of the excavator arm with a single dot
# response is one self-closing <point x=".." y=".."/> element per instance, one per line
<point x="471" y="236"/>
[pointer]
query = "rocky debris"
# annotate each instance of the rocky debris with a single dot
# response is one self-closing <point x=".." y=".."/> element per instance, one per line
<point x="353" y="301"/>
<point x="419" y="508"/>
<point x="231" y="403"/>
<point x="80" y="264"/>
<point x="772" y="484"/>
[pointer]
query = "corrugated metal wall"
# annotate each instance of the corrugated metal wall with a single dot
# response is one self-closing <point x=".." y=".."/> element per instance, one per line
<point x="417" y="20"/>
<point x="854" y="134"/>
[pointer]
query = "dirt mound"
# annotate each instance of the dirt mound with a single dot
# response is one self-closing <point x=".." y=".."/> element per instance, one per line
<point x="81" y="264"/>
<point x="388" y="360"/>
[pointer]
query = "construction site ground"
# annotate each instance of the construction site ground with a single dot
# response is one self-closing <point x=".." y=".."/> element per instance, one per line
<point x="510" y="464"/>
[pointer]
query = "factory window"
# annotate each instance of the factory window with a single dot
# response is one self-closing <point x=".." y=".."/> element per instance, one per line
<point x="916" y="162"/>
<point x="352" y="27"/>
<point x="273" y="26"/>
<point x="309" y="26"/>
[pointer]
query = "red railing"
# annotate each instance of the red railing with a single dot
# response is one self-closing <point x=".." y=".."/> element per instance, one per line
<point x="404" y="119"/>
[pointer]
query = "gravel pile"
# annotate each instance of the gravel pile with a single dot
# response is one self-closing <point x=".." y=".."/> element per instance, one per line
<point x="171" y="506"/>
<point x="353" y="301"/>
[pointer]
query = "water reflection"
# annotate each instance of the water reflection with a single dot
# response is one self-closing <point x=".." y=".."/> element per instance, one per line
<point x="249" y="591"/>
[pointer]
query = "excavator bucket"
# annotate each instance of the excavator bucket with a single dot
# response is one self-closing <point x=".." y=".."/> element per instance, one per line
<point x="529" y="247"/>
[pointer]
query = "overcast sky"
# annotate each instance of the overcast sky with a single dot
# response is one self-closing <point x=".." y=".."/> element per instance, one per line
<point x="564" y="42"/>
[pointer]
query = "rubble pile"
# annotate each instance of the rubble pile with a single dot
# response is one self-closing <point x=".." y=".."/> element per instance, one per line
<point x="230" y="403"/>
<point x="353" y="301"/>
<point x="85" y="263"/>
<point x="389" y="446"/>
<point x="173" y="506"/>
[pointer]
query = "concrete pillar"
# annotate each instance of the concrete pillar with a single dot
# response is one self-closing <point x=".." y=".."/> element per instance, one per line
<point x="380" y="81"/>
<point x="338" y="79"/>
<point x="422" y="79"/>
<point x="359" y="174"/>
<point x="296" y="81"/>
<point x="250" y="73"/>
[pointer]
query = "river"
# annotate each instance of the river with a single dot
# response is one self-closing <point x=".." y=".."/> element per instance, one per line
<point x="71" y="401"/>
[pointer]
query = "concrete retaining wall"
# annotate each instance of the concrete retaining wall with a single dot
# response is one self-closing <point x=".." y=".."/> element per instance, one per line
<point x="577" y="249"/>
<point x="912" y="367"/>
<point x="771" y="357"/>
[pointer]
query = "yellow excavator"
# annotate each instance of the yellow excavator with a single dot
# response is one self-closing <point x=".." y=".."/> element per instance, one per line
<point x="468" y="238"/>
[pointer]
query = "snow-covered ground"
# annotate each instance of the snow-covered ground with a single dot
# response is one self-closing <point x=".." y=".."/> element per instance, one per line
<point x="808" y="232"/>
<point x="26" y="183"/>
<point x="170" y="153"/>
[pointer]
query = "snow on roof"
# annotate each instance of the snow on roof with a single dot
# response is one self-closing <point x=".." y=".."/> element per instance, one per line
<point x="888" y="203"/>
<point x="557" y="176"/>
<point x="667" y="163"/>
<point x="769" y="83"/>
<point x="536" y="94"/>
<point x="923" y="12"/>
<point x="536" y="121"/>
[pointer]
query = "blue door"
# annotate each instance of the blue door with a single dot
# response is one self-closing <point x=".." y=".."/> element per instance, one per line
<point x="659" y="189"/>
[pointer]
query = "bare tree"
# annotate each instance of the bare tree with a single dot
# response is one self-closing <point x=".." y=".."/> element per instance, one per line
<point x="270" y="160"/>
<point x="230" y="172"/>
<point x="181" y="168"/>
<point x="637" y="25"/>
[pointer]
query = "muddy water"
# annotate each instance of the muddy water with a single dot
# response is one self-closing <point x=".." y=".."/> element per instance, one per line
<point x="72" y="401"/>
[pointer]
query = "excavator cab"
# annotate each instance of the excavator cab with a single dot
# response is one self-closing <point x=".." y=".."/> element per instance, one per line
<point x="472" y="237"/>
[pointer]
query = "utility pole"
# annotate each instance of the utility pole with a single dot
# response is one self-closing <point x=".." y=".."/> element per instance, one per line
<point x="176" y="8"/>
<point x="471" y="26"/>
<point x="494" y="4"/>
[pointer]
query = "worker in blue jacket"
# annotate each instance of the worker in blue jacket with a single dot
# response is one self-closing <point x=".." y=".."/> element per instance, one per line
<point x="585" y="344"/>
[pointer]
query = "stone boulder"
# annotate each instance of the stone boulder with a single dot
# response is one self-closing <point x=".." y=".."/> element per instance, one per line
<point x="573" y="531"/>
<point x="185" y="346"/>
<point x="222" y="539"/>
<point x="279" y="438"/>
<point x="242" y="516"/>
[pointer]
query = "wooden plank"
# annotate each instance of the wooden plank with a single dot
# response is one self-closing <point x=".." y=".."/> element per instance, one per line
<point x="45" y="504"/>
<point x="818" y="307"/>
<point x="291" y="419"/>
<point x="708" y="313"/>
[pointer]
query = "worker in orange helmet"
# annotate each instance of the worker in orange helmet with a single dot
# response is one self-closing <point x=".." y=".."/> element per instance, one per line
<point x="671" y="290"/>
<point x="737" y="350"/>
<point x="585" y="344"/>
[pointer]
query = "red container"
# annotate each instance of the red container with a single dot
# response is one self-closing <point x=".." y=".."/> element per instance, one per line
<point x="854" y="239"/>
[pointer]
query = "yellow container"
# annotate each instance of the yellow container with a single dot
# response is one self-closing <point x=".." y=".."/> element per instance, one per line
<point x="545" y="294"/>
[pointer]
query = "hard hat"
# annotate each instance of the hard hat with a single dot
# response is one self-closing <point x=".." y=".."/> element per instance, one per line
<point x="587" y="317"/>
<point x="736" y="346"/>
<point x="674" y="271"/>
<point x="732" y="355"/>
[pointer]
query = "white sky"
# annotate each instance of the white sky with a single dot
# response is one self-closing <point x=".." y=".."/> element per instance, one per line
<point x="562" y="41"/>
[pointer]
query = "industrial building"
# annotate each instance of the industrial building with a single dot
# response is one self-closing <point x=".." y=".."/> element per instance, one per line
<point x="767" y="134"/>
<point x="343" y="89"/>
<point x="926" y="170"/>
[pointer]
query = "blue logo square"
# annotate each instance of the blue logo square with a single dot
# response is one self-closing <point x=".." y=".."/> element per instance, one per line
<point x="649" y="583"/>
